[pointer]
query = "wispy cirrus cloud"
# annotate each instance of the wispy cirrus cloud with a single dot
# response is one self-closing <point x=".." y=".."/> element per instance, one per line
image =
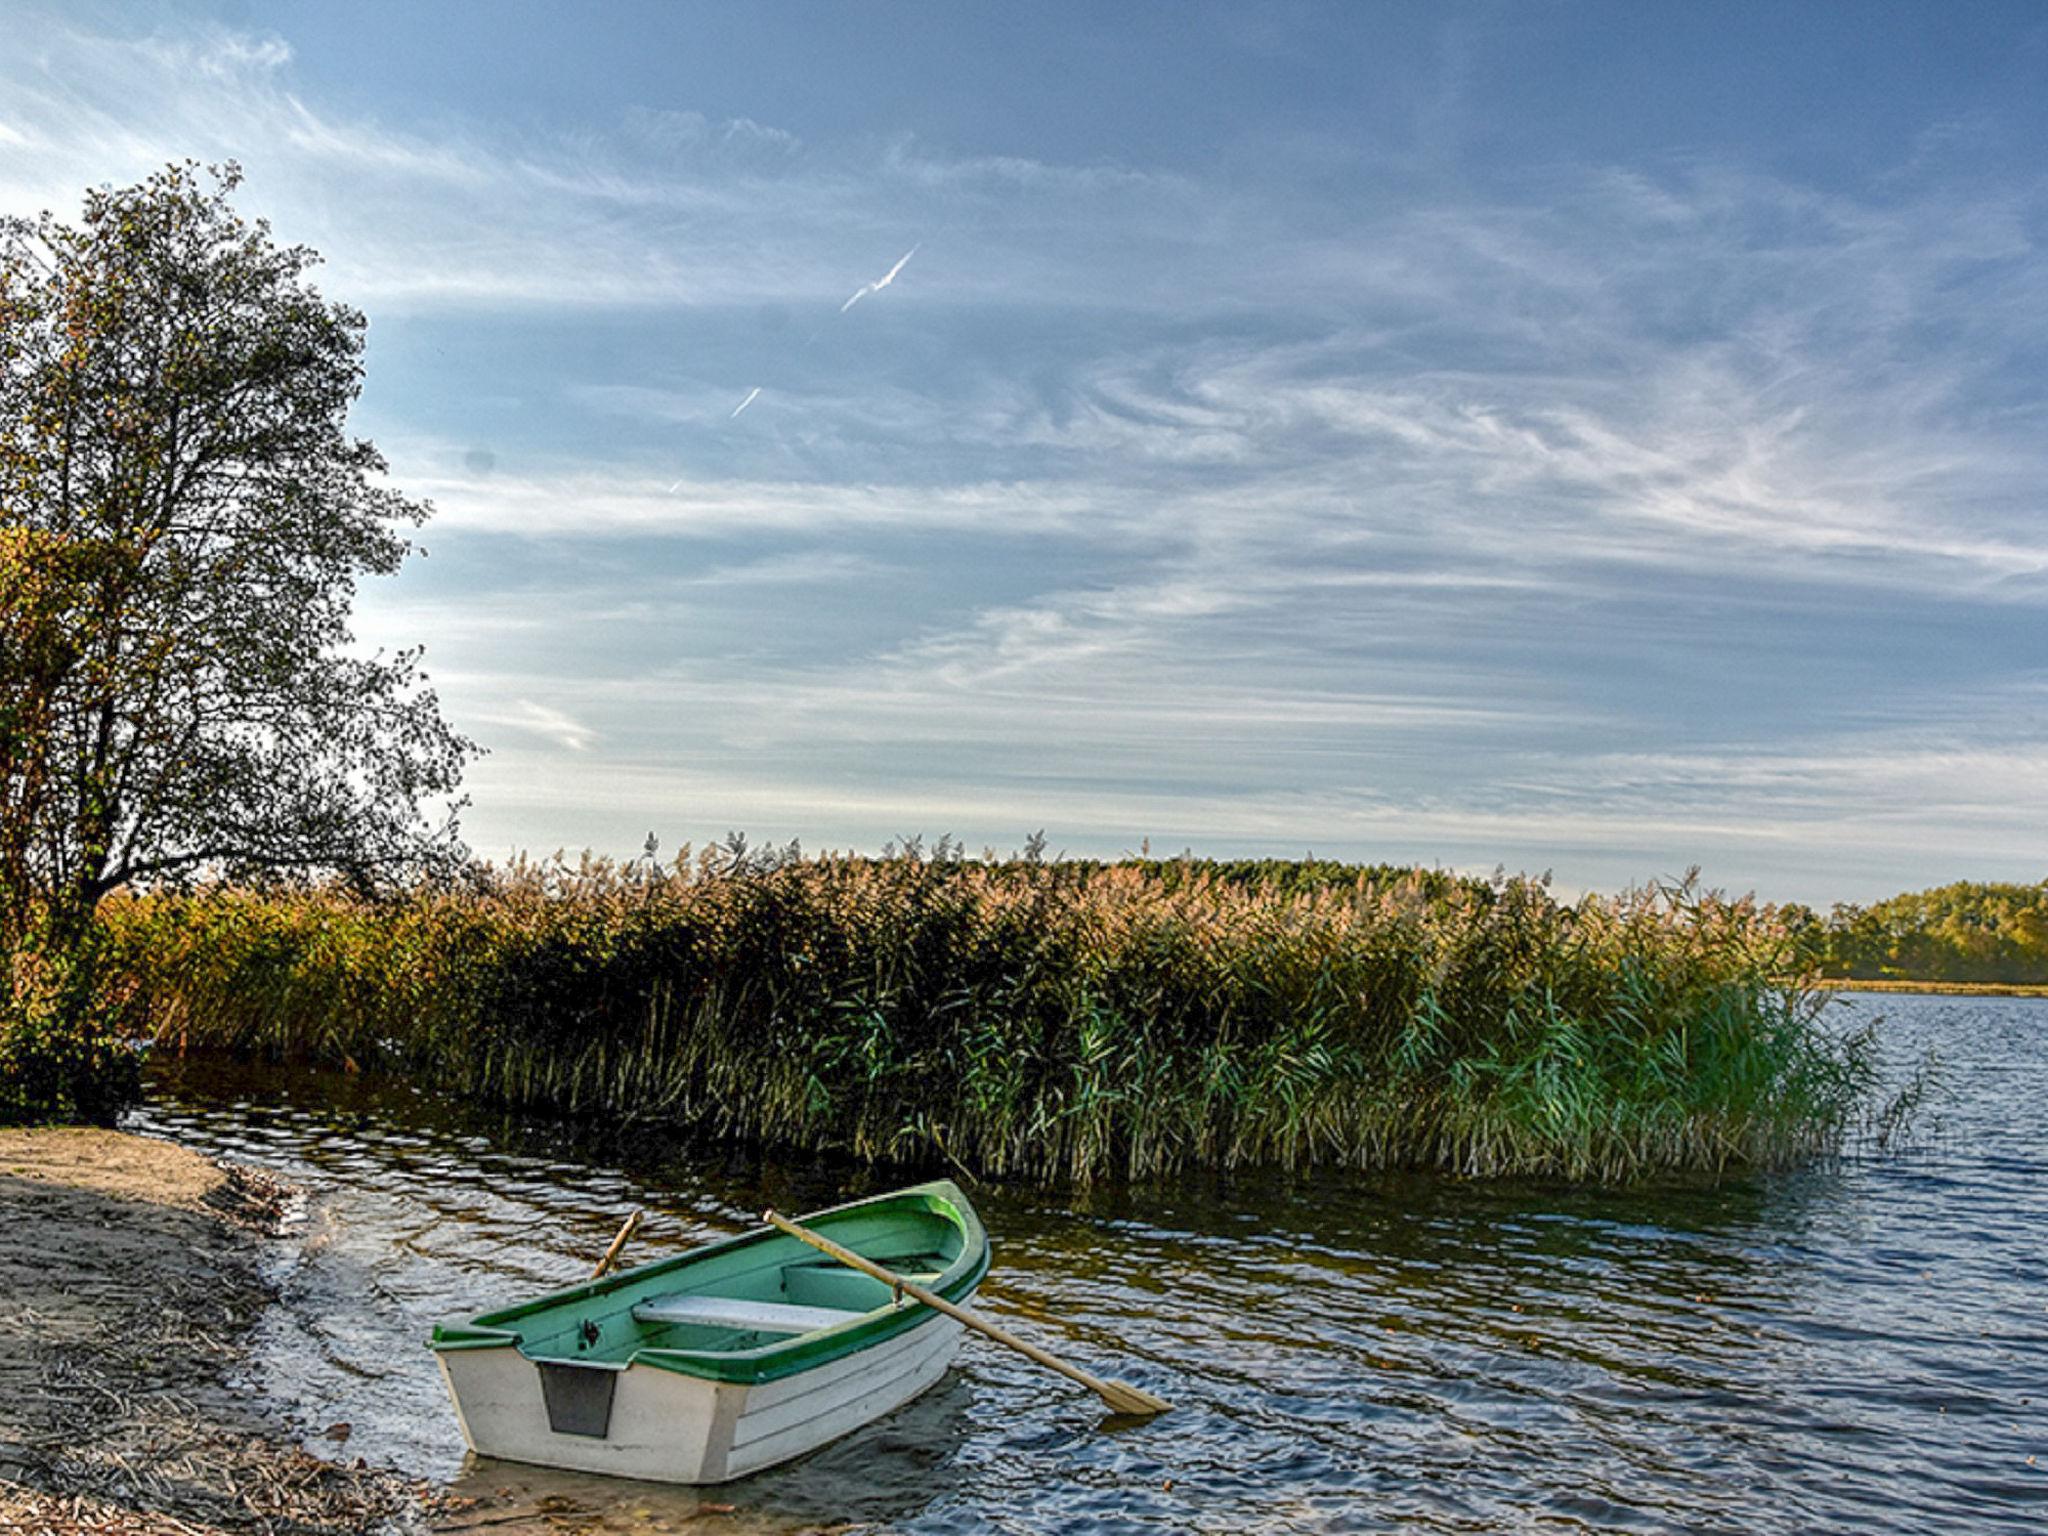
<point x="543" y="722"/>
<point x="654" y="207"/>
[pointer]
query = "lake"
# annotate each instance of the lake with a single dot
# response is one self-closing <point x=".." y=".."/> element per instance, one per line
<point x="1859" y="1347"/>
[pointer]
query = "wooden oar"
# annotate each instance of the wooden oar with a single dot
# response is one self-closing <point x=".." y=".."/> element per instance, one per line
<point x="1121" y="1397"/>
<point x="611" y="1254"/>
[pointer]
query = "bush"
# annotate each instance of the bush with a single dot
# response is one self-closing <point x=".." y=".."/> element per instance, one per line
<point x="63" y="1057"/>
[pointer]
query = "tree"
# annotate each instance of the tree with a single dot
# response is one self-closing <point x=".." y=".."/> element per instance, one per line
<point x="183" y="521"/>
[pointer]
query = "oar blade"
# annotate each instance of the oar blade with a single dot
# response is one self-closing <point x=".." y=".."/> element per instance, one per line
<point x="1135" y="1402"/>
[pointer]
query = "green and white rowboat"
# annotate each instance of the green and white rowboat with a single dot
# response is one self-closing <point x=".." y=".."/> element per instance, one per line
<point x="724" y="1360"/>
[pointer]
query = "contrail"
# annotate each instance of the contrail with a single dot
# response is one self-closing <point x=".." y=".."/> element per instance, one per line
<point x="751" y="394"/>
<point x="867" y="288"/>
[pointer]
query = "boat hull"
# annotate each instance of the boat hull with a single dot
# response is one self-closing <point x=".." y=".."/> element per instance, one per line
<point x="670" y="1428"/>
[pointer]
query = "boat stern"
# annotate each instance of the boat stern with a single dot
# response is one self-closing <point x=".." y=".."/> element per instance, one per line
<point x="592" y="1416"/>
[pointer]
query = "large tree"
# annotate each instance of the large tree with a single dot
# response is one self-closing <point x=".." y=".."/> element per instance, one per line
<point x="183" y="521"/>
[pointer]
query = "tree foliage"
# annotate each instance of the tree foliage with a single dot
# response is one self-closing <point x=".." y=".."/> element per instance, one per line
<point x="1971" y="931"/>
<point x="184" y="518"/>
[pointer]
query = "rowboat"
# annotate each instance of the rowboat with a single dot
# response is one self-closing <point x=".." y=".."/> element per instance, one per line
<point x="724" y="1360"/>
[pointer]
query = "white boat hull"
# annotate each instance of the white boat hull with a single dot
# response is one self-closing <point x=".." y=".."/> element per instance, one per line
<point x="665" y="1426"/>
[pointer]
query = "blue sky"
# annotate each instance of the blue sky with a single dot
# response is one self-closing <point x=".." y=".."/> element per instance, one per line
<point x="1595" y="438"/>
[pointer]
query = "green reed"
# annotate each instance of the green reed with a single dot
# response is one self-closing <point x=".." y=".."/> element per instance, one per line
<point x="1044" y="1020"/>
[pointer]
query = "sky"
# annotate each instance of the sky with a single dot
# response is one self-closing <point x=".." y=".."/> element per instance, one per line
<point x="1601" y="439"/>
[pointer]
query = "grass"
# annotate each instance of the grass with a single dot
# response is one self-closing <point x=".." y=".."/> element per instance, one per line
<point x="1043" y="1020"/>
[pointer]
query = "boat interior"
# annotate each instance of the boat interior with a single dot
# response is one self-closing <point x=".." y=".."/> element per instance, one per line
<point x="754" y="1292"/>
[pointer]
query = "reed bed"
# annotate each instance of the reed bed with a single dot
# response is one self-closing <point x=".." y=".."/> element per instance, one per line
<point x="1042" y="1020"/>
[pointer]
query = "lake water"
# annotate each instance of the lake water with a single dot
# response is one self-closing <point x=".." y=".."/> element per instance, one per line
<point x="1857" y="1348"/>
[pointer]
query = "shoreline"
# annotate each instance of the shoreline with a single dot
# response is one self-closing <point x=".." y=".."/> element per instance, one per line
<point x="119" y="1412"/>
<point x="1943" y="988"/>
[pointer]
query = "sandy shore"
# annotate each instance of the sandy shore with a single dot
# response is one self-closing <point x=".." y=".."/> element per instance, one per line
<point x="128" y="1279"/>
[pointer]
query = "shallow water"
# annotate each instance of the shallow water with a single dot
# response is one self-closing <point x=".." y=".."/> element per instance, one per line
<point x="1857" y="1348"/>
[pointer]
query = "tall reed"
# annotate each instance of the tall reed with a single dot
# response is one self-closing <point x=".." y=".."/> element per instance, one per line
<point x="1043" y="1020"/>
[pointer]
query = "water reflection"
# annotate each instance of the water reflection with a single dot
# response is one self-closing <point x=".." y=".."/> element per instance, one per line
<point x="1859" y="1347"/>
<point x="883" y="1476"/>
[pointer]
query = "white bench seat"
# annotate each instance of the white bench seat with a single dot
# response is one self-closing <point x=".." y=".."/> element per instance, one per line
<point x="729" y="1312"/>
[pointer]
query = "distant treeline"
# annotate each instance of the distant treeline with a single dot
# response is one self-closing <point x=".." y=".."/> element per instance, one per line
<point x="1966" y="932"/>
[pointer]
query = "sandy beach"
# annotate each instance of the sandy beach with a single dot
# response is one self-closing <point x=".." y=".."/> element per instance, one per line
<point x="128" y="1279"/>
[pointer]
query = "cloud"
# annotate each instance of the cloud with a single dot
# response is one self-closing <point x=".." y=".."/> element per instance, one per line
<point x="543" y="722"/>
<point x="692" y="133"/>
<point x="467" y="214"/>
<point x="593" y="503"/>
<point x="1768" y="842"/>
<point x="226" y="55"/>
<point x="653" y="207"/>
<point x="809" y="567"/>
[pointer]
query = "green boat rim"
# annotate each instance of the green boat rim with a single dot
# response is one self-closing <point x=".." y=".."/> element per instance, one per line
<point x="860" y="1331"/>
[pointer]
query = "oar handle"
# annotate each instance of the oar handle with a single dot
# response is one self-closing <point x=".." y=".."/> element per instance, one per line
<point x="611" y="1254"/>
<point x="1116" y="1394"/>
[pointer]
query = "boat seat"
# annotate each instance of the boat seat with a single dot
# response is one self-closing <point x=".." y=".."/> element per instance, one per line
<point x="733" y="1312"/>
